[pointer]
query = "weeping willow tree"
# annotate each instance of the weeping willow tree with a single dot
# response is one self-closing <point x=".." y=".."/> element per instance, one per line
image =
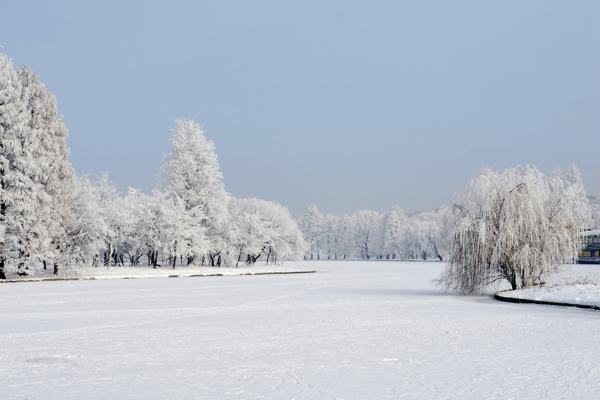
<point x="518" y="225"/>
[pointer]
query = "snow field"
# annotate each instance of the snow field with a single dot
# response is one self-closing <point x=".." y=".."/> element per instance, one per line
<point x="353" y="330"/>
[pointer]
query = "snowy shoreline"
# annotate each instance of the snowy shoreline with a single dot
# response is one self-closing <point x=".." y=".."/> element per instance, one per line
<point x="581" y="296"/>
<point x="104" y="273"/>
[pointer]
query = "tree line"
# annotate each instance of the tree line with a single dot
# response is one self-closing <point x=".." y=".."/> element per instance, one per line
<point x="372" y="235"/>
<point x="517" y="226"/>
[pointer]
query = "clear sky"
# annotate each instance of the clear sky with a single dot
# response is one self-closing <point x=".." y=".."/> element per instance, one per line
<point x="348" y="105"/>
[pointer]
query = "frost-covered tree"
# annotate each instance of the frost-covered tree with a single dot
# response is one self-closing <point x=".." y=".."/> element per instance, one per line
<point x="162" y="226"/>
<point x="181" y="232"/>
<point x="394" y="223"/>
<point x="37" y="180"/>
<point x="50" y="166"/>
<point x="192" y="172"/>
<point x="84" y="226"/>
<point x="311" y="225"/>
<point x="344" y="241"/>
<point x="115" y="218"/>
<point x="422" y="235"/>
<point x="518" y="225"/>
<point x="22" y="196"/>
<point x="148" y="219"/>
<point x="330" y="236"/>
<point x="285" y="239"/>
<point x="364" y="229"/>
<point x="264" y="228"/>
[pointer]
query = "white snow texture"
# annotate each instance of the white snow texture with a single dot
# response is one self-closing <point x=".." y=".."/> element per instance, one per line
<point x="353" y="330"/>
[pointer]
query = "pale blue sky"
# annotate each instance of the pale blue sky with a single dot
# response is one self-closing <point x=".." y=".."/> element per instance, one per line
<point x="348" y="105"/>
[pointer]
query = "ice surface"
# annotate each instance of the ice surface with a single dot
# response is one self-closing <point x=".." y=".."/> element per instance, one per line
<point x="353" y="330"/>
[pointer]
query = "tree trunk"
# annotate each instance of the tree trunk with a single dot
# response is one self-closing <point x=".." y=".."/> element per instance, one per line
<point x="2" y="274"/>
<point x="154" y="259"/>
<point x="107" y="257"/>
<point x="2" y="214"/>
<point x="55" y="268"/>
<point x="174" y="254"/>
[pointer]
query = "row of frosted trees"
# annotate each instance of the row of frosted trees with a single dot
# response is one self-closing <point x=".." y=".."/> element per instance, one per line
<point x="48" y="216"/>
<point x="189" y="217"/>
<point x="373" y="235"/>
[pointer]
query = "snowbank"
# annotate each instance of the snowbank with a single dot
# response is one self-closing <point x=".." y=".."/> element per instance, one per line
<point x="584" y="296"/>
<point x="149" y="272"/>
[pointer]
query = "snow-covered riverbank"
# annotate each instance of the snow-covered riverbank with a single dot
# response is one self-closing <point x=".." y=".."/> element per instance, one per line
<point x="578" y="295"/>
<point x="577" y="285"/>
<point x="149" y="272"/>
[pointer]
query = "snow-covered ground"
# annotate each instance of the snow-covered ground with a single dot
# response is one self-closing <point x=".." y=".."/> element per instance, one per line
<point x="571" y="294"/>
<point x="149" y="272"/>
<point x="353" y="330"/>
<point x="576" y="285"/>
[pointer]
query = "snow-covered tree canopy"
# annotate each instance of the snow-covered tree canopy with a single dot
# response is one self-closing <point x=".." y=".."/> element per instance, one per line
<point x="518" y="225"/>
<point x="264" y="228"/>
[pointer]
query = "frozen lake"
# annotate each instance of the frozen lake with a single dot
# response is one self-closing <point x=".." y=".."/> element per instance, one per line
<point x="353" y="330"/>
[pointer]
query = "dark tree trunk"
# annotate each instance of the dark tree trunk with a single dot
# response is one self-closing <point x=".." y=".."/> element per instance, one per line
<point x="2" y="274"/>
<point x="154" y="259"/>
<point x="55" y="268"/>
<point x="108" y="255"/>
<point x="174" y="254"/>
